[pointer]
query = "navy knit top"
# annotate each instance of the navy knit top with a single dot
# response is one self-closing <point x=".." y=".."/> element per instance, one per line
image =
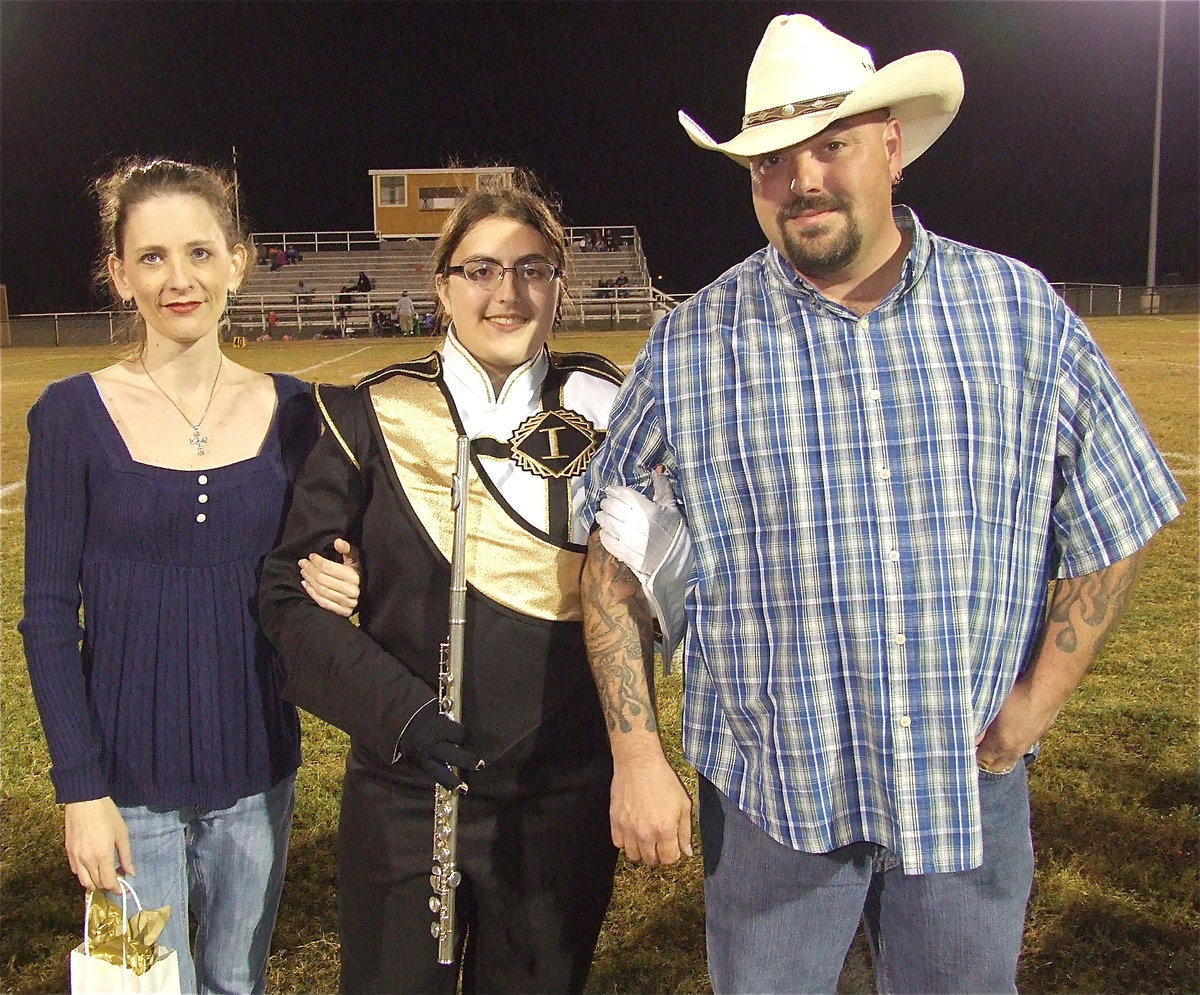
<point x="174" y="699"/>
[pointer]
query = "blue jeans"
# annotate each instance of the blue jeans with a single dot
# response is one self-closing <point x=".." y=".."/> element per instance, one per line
<point x="780" y="921"/>
<point x="226" y="868"/>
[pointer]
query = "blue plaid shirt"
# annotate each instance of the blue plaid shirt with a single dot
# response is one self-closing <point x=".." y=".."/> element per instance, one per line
<point x="877" y="504"/>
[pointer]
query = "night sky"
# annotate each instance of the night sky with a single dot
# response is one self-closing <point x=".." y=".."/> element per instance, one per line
<point x="1048" y="160"/>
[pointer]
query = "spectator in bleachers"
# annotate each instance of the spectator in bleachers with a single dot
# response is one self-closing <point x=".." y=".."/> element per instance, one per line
<point x="303" y="293"/>
<point x="405" y="314"/>
<point x="279" y="259"/>
<point x="383" y="323"/>
<point x="363" y="285"/>
<point x="292" y="254"/>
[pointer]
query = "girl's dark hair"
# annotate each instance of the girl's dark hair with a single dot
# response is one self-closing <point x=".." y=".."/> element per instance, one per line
<point x="136" y="181"/>
<point x="521" y="200"/>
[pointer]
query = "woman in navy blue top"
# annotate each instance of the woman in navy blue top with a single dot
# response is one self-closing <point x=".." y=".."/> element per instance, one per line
<point x="154" y="489"/>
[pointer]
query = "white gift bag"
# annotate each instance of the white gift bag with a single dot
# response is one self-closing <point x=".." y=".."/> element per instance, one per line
<point x="93" y="976"/>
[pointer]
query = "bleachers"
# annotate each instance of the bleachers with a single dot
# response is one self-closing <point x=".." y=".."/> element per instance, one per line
<point x="325" y="273"/>
<point x="405" y="266"/>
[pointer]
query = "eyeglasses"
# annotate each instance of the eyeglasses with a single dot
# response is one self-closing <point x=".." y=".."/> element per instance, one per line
<point x="488" y="274"/>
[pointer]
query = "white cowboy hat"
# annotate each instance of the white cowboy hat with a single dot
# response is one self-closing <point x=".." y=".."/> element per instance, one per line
<point x="804" y="77"/>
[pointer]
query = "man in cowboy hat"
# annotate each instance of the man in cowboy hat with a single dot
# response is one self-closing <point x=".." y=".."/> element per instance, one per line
<point x="885" y="444"/>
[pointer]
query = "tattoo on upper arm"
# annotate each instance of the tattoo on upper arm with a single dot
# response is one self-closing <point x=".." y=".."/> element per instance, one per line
<point x="1088" y="607"/>
<point x="619" y="638"/>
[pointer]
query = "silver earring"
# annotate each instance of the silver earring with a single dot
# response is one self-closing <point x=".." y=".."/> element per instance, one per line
<point x="898" y="177"/>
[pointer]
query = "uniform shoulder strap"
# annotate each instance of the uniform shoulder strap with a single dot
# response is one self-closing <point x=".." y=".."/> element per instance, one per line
<point x="587" y="362"/>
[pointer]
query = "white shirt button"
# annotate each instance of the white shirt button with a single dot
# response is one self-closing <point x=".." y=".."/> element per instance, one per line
<point x="905" y="721"/>
<point x="874" y="394"/>
<point x="201" y="517"/>
<point x="899" y="639"/>
<point x="202" y="498"/>
<point x="894" y="555"/>
<point x="884" y="473"/>
<point x="202" y="479"/>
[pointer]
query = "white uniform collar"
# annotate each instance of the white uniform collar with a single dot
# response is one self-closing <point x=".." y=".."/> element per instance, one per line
<point x="464" y="374"/>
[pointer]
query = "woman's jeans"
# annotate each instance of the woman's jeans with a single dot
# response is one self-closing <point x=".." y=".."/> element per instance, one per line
<point x="226" y="868"/>
<point x="781" y="921"/>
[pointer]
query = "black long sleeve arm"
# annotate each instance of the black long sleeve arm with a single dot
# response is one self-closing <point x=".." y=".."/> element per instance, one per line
<point x="334" y="669"/>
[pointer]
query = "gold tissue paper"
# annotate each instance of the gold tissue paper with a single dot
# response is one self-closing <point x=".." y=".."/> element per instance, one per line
<point x="139" y="942"/>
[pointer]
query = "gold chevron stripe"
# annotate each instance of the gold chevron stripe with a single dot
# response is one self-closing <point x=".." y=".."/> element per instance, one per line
<point x="505" y="562"/>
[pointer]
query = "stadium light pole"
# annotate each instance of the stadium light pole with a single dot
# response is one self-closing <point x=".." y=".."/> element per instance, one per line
<point x="1152" y="251"/>
<point x="237" y="200"/>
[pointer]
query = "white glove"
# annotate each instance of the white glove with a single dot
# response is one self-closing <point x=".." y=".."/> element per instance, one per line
<point x="637" y="531"/>
<point x="650" y="537"/>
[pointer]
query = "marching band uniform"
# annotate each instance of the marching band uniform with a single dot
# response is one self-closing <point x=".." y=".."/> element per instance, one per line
<point x="534" y="845"/>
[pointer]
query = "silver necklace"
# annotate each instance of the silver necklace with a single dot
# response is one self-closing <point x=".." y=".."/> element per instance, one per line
<point x="197" y="439"/>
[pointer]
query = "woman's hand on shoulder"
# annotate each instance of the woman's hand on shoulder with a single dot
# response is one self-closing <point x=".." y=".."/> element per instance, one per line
<point x="333" y="586"/>
<point x="97" y="843"/>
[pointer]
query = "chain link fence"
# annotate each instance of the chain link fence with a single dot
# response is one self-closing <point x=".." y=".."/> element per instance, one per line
<point x="633" y="307"/>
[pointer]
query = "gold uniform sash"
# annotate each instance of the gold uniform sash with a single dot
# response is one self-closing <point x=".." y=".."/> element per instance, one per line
<point x="505" y="561"/>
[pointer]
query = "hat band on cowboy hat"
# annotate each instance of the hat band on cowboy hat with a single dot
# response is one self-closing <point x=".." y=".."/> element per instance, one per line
<point x="793" y="109"/>
<point x="804" y="78"/>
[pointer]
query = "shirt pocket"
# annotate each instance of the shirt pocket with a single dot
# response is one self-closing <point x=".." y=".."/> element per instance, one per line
<point x="973" y="445"/>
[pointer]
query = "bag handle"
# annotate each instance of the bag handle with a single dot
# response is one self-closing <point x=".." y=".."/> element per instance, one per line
<point x="126" y="889"/>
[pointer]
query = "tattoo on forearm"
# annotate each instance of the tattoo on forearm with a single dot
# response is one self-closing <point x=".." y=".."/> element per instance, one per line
<point x="1088" y="607"/>
<point x="618" y="634"/>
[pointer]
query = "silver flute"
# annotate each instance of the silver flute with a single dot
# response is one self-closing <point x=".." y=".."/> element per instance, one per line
<point x="446" y="875"/>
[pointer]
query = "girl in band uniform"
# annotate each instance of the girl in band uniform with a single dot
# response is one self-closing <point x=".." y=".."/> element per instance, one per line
<point x="534" y="844"/>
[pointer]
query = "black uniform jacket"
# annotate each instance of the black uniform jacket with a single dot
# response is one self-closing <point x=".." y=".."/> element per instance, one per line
<point x="380" y="476"/>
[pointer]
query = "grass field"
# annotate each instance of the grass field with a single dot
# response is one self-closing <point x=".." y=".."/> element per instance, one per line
<point x="1114" y="794"/>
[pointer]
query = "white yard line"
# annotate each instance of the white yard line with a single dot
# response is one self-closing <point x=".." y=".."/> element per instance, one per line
<point x="1119" y="361"/>
<point x="10" y="363"/>
<point x="8" y="489"/>
<point x="326" y="362"/>
<point x="1182" y="464"/>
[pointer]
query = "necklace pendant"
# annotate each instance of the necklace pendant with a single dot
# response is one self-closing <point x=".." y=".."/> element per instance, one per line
<point x="198" y="440"/>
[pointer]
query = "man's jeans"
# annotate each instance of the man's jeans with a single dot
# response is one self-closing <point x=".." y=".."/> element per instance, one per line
<point x="781" y="921"/>
<point x="227" y="866"/>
